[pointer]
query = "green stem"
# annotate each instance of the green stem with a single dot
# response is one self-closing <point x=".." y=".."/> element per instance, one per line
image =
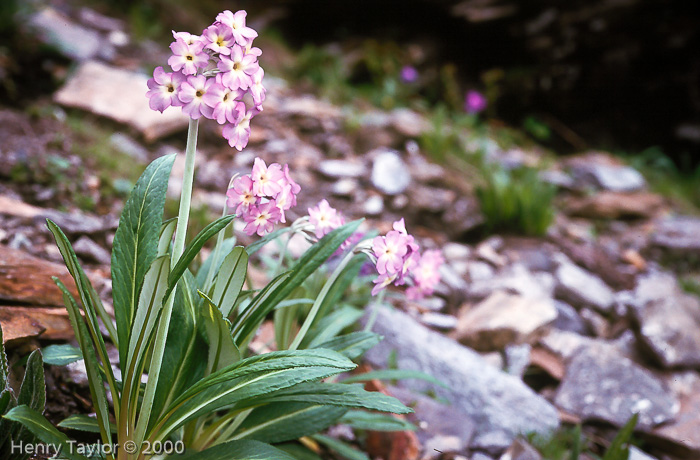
<point x="375" y="310"/>
<point x="215" y="255"/>
<point x="178" y="249"/>
<point x="319" y="300"/>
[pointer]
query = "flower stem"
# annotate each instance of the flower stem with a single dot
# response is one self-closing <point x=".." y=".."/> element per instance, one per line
<point x="375" y="310"/>
<point x="178" y="249"/>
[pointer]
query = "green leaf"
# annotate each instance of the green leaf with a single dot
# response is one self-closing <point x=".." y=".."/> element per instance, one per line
<point x="225" y="248"/>
<point x="344" y="450"/>
<point x="336" y="394"/>
<point x="32" y="393"/>
<point x="352" y="345"/>
<point x="185" y="357"/>
<point x="618" y="449"/>
<point x="576" y="448"/>
<point x="230" y="279"/>
<point x="309" y="262"/>
<point x="4" y="369"/>
<point x="95" y="382"/>
<point x="331" y="325"/>
<point x="339" y="287"/>
<point x="298" y="451"/>
<point x="193" y="249"/>
<point x="82" y="422"/>
<point x="222" y="351"/>
<point x="393" y="374"/>
<point x="135" y="244"/>
<point x="165" y="239"/>
<point x="362" y="420"/>
<point x="240" y="450"/>
<point x="280" y="422"/>
<point x="60" y="355"/>
<point x="249" y="380"/>
<point x="42" y="429"/>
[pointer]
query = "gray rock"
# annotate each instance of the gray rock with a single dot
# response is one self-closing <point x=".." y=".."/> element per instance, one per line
<point x="684" y="431"/>
<point x="558" y="178"/>
<point x="389" y="172"/>
<point x="87" y="248"/>
<point x="439" y="320"/>
<point x="601" y="384"/>
<point x="118" y="94"/>
<point x="465" y="215"/>
<point x="454" y="252"/>
<point x="373" y="206"/>
<point x="668" y="321"/>
<point x="345" y="187"/>
<point x="480" y="456"/>
<point x="492" y="442"/>
<point x="504" y="319"/>
<point x="583" y="288"/>
<point x="438" y="445"/>
<point x="521" y="450"/>
<point x="568" y="319"/>
<point x="517" y="359"/>
<point x="408" y="122"/>
<point x="430" y="199"/>
<point x="338" y="169"/>
<point x="516" y="279"/>
<point x="638" y="454"/>
<point x="480" y="271"/>
<point x="609" y="177"/>
<point x="77" y="223"/>
<point x="70" y="39"/>
<point x="681" y="234"/>
<point x="566" y="344"/>
<point x="496" y="401"/>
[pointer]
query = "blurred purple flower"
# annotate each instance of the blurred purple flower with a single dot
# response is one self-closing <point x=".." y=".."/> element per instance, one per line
<point x="409" y="74"/>
<point x="474" y="102"/>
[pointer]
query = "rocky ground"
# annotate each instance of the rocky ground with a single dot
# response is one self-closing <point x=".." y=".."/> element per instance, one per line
<point x="589" y="323"/>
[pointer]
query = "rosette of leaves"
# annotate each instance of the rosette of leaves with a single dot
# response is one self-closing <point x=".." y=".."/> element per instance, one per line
<point x="32" y="395"/>
<point x="205" y="391"/>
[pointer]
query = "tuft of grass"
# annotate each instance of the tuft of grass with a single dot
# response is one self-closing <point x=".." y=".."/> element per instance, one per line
<point x="516" y="201"/>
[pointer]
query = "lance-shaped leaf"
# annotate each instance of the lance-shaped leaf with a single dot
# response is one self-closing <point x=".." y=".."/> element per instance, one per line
<point x="256" y="246"/>
<point x="97" y="389"/>
<point x="222" y="351"/>
<point x="341" y="284"/>
<point x="344" y="450"/>
<point x="352" y="345"/>
<point x="165" y="239"/>
<point x="44" y="430"/>
<point x="281" y="422"/>
<point x="136" y="244"/>
<point x="61" y="355"/>
<point x="334" y="394"/>
<point x="85" y="423"/>
<point x="332" y="325"/>
<point x="393" y="374"/>
<point x="249" y="380"/>
<point x="193" y="249"/>
<point x="309" y="262"/>
<point x="210" y="264"/>
<point x="363" y="420"/>
<point x="240" y="450"/>
<point x="230" y="279"/>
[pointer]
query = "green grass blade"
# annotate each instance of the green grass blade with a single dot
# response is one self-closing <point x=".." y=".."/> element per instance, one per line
<point x="230" y="279"/>
<point x="618" y="449"/>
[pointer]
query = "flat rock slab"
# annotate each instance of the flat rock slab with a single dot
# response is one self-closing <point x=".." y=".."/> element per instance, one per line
<point x="668" y="321"/>
<point x="120" y="95"/>
<point x="678" y="233"/>
<point x="616" y="205"/>
<point x="600" y="384"/>
<point x="582" y="288"/>
<point x="496" y="401"/>
<point x="27" y="279"/>
<point x="684" y="432"/>
<point x="616" y="178"/>
<point x="20" y="322"/>
<point x="504" y="319"/>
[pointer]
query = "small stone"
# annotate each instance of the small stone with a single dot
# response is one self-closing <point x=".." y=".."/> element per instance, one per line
<point x="516" y="279"/>
<point x="87" y="248"/>
<point x="558" y="178"/>
<point x="439" y="320"/>
<point x="487" y="252"/>
<point x="374" y="205"/>
<point x="389" y="172"/>
<point x="432" y="303"/>
<point x="520" y="450"/>
<point x="408" y="122"/>
<point x="430" y="199"/>
<point x="478" y="271"/>
<point x="583" y="288"/>
<point x="504" y="319"/>
<point x="601" y="384"/>
<point x="616" y="178"/>
<point x="616" y="205"/>
<point x="437" y="445"/>
<point x="638" y="454"/>
<point x="568" y="319"/>
<point x="684" y="431"/>
<point x="680" y="234"/>
<point x="456" y="251"/>
<point x="128" y="146"/>
<point x="596" y="323"/>
<point x="564" y="343"/>
<point x="344" y="187"/>
<point x="493" y="442"/>
<point x="70" y="39"/>
<point x="338" y="169"/>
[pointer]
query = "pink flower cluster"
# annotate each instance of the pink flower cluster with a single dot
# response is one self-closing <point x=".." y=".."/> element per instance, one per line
<point x="325" y="219"/>
<point x="399" y="259"/>
<point x="211" y="75"/>
<point x="262" y="197"/>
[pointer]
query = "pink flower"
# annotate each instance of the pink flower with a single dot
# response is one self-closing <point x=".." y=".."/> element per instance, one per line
<point x="241" y="195"/>
<point x="187" y="37"/>
<point x="285" y="200"/>
<point x="296" y="188"/>
<point x="390" y="251"/>
<point x="266" y="179"/>
<point x="262" y="219"/>
<point x="238" y="68"/>
<point x="409" y="74"/>
<point x="256" y="88"/>
<point x="196" y="99"/>
<point x="218" y="38"/>
<point x="382" y="281"/>
<point x="427" y="274"/>
<point x="324" y="218"/>
<point x="238" y="133"/>
<point x="163" y="89"/>
<point x="227" y="102"/>
<point x="187" y="58"/>
<point x="474" y="102"/>
<point x="236" y="22"/>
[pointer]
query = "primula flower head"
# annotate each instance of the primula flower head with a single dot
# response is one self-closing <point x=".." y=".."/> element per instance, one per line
<point x="409" y="74"/>
<point x="211" y="75"/>
<point x="474" y="102"/>
<point x="325" y="218"/>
